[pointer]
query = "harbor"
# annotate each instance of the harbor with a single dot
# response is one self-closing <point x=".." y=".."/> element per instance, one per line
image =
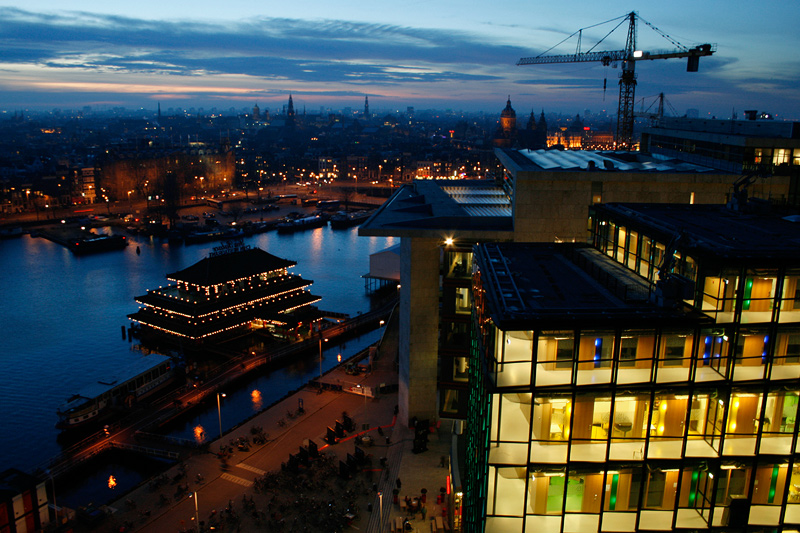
<point x="100" y="290"/>
<point x="126" y="433"/>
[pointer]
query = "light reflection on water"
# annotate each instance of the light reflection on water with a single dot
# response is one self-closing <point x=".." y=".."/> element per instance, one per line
<point x="62" y="317"/>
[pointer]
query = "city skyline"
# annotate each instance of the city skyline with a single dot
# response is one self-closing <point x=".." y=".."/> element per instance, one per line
<point x="442" y="55"/>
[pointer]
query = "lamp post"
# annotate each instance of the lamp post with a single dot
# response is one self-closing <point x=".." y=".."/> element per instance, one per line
<point x="380" y="510"/>
<point x="219" y="412"/>
<point x="196" y="512"/>
<point x="320" y="354"/>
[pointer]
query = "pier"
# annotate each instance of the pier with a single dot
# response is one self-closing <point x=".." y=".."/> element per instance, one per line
<point x="127" y="432"/>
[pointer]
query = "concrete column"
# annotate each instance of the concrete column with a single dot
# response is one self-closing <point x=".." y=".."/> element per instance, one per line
<point x="419" y="328"/>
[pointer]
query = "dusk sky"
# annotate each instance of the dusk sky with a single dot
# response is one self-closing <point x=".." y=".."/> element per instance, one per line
<point x="427" y="54"/>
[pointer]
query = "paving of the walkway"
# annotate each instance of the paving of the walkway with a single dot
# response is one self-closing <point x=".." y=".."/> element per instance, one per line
<point x="167" y="509"/>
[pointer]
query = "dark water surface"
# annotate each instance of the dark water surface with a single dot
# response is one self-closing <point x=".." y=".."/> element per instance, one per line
<point x="61" y="319"/>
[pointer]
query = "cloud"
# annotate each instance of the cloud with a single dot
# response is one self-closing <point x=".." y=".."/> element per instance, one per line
<point x="261" y="47"/>
<point x="92" y="53"/>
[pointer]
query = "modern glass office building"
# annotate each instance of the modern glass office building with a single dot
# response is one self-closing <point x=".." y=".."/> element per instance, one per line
<point x="645" y="382"/>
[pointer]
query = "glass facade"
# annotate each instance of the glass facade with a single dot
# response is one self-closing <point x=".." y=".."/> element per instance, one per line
<point x="455" y="304"/>
<point x="621" y="428"/>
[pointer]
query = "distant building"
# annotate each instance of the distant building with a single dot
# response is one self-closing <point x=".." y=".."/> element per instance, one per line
<point x="148" y="173"/>
<point x="765" y="150"/>
<point x="290" y="113"/>
<point x="506" y="134"/>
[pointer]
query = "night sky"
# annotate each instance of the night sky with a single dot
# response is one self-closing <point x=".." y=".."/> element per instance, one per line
<point x="429" y="54"/>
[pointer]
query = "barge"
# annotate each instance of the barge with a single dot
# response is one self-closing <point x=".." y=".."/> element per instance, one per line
<point x="343" y="219"/>
<point x="298" y="224"/>
<point x="101" y="399"/>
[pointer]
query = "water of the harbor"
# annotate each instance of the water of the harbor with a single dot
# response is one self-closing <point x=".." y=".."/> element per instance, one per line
<point x="62" y="316"/>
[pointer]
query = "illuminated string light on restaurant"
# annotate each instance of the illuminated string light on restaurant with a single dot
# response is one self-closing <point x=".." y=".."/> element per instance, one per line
<point x="236" y="288"/>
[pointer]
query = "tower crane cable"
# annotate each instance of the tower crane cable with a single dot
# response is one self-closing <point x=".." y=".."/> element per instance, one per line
<point x="629" y="56"/>
<point x="674" y="43"/>
<point x="623" y="17"/>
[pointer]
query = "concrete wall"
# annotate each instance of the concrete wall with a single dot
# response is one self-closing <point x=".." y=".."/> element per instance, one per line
<point x="419" y="328"/>
<point x="554" y="205"/>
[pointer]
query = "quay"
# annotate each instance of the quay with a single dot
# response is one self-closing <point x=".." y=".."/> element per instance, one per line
<point x="82" y="241"/>
<point x="127" y="432"/>
<point x="260" y="487"/>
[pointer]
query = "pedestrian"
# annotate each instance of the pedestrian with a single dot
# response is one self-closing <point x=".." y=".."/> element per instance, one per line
<point x="399" y="485"/>
<point x="442" y="460"/>
<point x="424" y="511"/>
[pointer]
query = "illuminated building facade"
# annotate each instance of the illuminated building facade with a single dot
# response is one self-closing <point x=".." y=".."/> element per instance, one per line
<point x="23" y="503"/>
<point x="759" y="147"/>
<point x="544" y="196"/>
<point x="647" y="381"/>
<point x="235" y="288"/>
<point x="506" y="134"/>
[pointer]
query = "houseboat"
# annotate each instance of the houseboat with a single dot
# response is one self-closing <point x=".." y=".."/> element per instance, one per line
<point x="328" y="205"/>
<point x="103" y="398"/>
<point x="298" y="224"/>
<point x="344" y="219"/>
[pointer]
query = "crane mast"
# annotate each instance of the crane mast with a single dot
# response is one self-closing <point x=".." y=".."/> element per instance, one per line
<point x="627" y="79"/>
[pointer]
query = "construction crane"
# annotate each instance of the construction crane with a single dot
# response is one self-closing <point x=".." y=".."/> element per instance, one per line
<point x="655" y="116"/>
<point x="627" y="78"/>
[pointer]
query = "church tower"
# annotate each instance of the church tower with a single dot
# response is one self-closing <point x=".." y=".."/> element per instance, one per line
<point x="506" y="134"/>
<point x="508" y="119"/>
<point x="290" y="112"/>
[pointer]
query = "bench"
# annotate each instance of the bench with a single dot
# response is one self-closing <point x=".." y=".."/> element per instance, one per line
<point x="398" y="524"/>
<point x="441" y="525"/>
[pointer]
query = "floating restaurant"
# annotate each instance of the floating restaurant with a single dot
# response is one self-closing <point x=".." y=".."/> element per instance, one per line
<point x="234" y="289"/>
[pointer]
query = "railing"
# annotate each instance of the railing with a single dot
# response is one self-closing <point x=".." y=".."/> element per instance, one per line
<point x="169" y="406"/>
<point x="155" y="452"/>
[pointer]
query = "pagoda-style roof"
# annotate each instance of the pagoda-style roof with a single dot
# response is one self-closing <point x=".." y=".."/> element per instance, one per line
<point x="232" y="266"/>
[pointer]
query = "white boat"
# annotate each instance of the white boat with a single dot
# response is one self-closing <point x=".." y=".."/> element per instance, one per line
<point x="301" y="223"/>
<point x="100" y="399"/>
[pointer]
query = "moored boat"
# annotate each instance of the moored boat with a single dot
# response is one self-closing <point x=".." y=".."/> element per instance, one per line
<point x="97" y="243"/>
<point x="102" y="398"/>
<point x="348" y="220"/>
<point x="301" y="223"/>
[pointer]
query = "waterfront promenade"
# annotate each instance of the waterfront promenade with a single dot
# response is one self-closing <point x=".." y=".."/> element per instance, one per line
<point x="293" y="501"/>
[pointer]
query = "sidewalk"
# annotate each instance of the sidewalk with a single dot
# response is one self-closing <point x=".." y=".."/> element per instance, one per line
<point x="161" y="506"/>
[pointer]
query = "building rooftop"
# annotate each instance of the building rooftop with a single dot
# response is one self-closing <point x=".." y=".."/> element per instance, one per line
<point x="432" y="206"/>
<point x="729" y="128"/>
<point x="714" y="230"/>
<point x="14" y="482"/>
<point x="551" y="285"/>
<point x="593" y="160"/>
<point x="230" y="266"/>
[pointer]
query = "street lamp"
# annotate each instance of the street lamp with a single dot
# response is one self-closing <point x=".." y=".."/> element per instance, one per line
<point x="320" y="355"/>
<point x="380" y="509"/>
<point x="196" y="512"/>
<point x="219" y="411"/>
